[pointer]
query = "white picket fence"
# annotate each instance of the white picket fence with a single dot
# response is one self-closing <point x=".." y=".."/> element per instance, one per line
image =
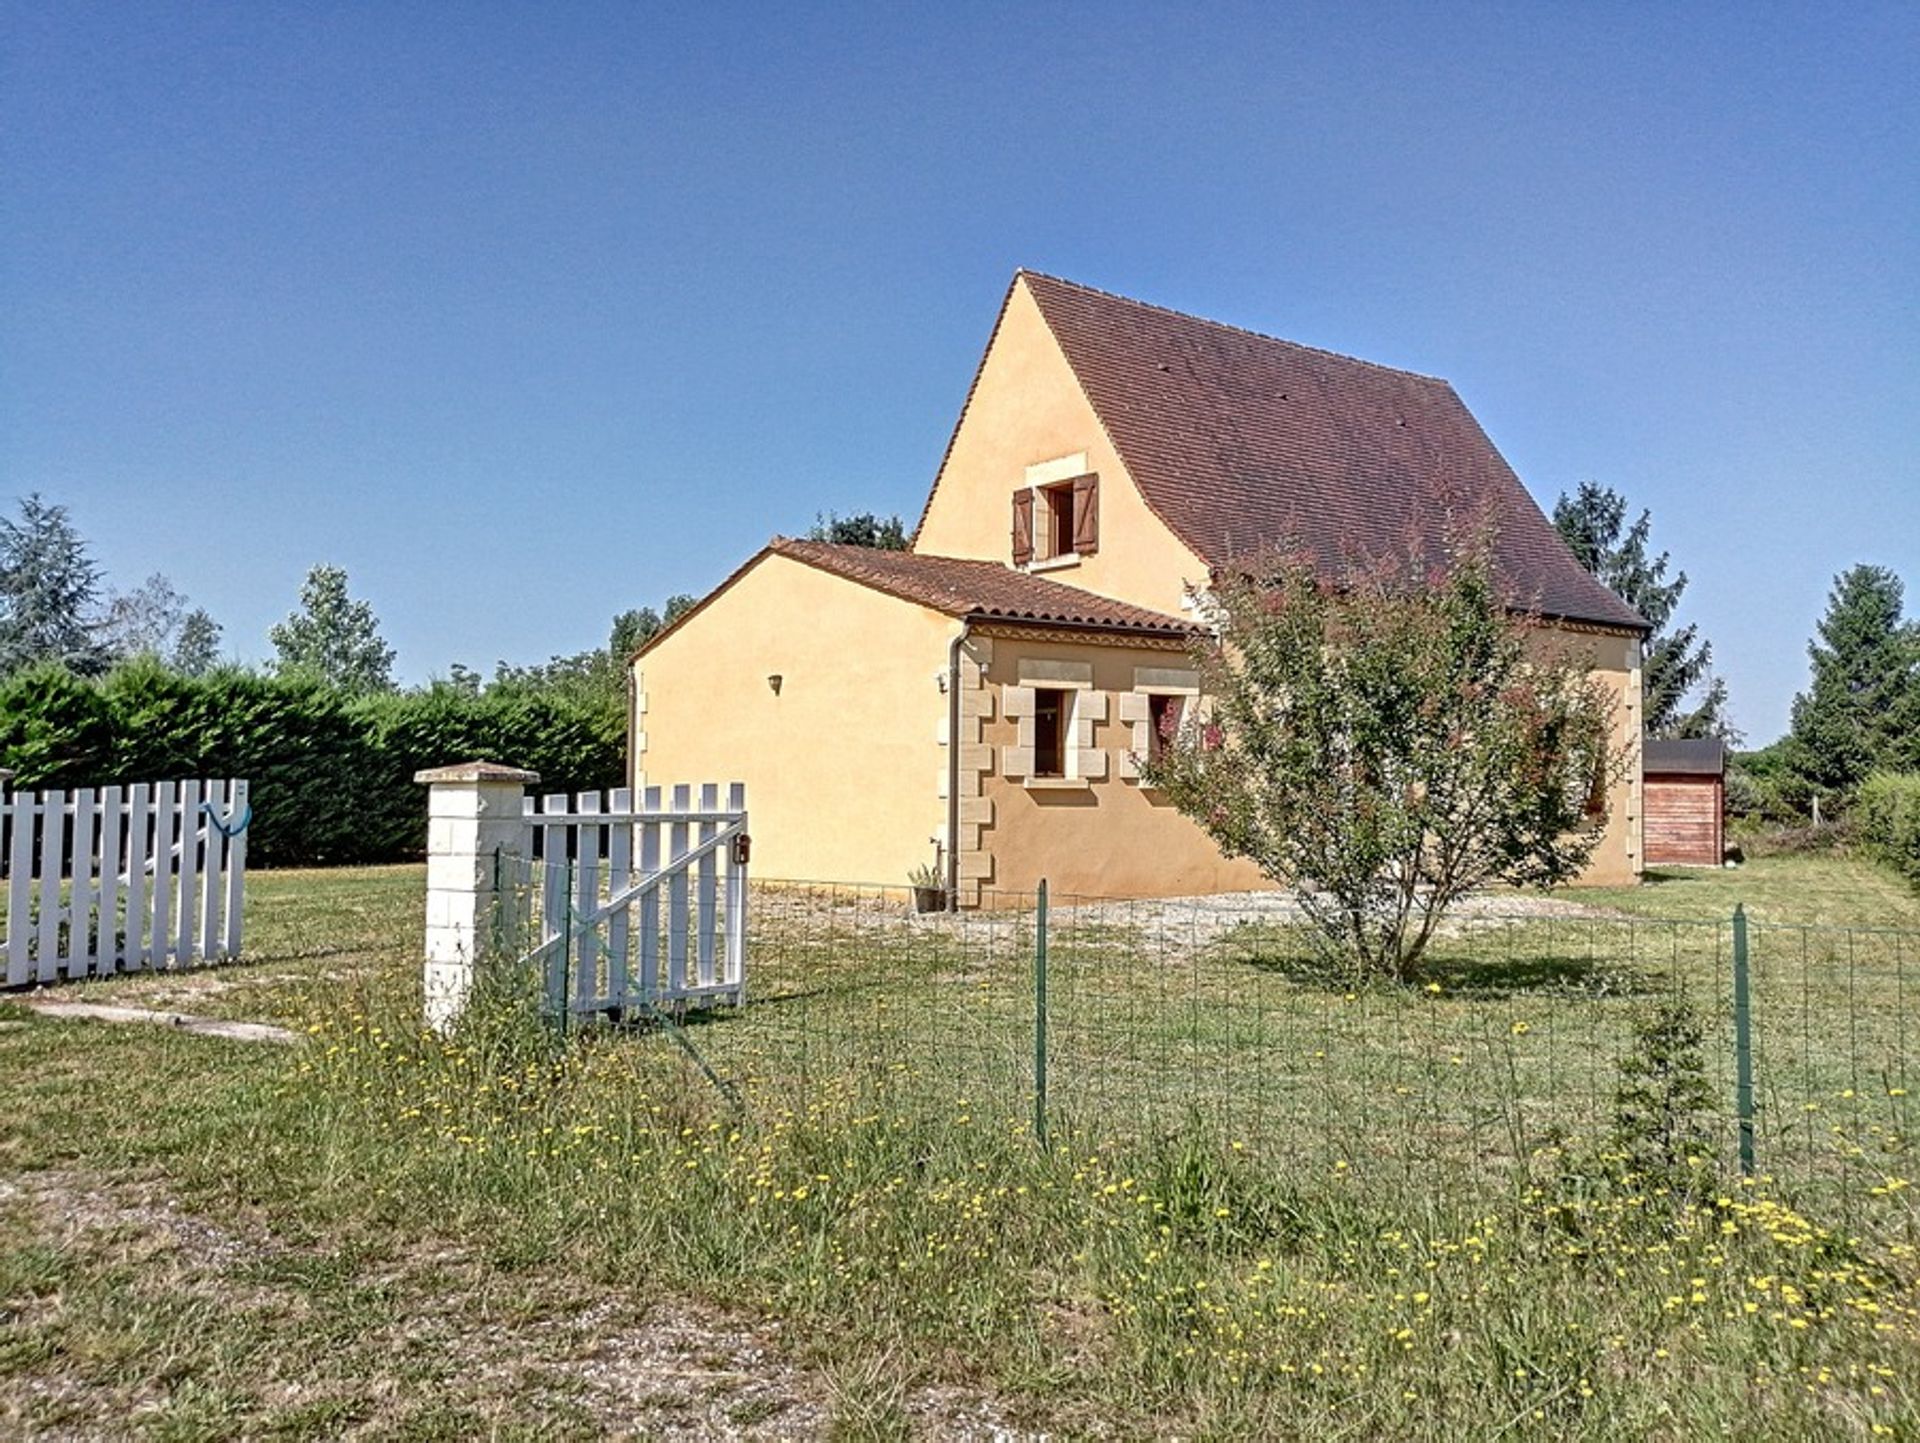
<point x="641" y="907"/>
<point x="122" y="878"/>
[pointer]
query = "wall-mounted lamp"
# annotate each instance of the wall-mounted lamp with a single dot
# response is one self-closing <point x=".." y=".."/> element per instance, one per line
<point x="774" y="681"/>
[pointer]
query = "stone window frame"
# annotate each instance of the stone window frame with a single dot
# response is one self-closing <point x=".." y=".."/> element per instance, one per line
<point x="1084" y="763"/>
<point x="1135" y="710"/>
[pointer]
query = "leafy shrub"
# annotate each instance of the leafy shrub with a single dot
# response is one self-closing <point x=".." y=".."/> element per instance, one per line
<point x="1757" y="795"/>
<point x="332" y="773"/>
<point x="311" y="765"/>
<point x="1662" y="1106"/>
<point x="1888" y="817"/>
<point x="1794" y="839"/>
<point x="573" y="747"/>
<point x="1383" y="747"/>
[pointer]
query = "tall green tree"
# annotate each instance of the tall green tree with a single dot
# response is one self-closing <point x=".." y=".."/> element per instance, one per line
<point x="590" y="678"/>
<point x="596" y="678"/>
<point x="1680" y="695"/>
<point x="1861" y="710"/>
<point x="154" y="620"/>
<point x="49" y="592"/>
<point x="196" y="645"/>
<point x="333" y="637"/>
<point x="142" y="622"/>
<point x="866" y="529"/>
<point x="631" y="631"/>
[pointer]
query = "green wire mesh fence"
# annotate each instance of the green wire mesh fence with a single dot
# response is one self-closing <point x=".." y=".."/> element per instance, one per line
<point x="1535" y="1034"/>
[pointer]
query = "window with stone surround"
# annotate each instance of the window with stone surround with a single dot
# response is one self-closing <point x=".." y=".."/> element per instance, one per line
<point x="1055" y="710"/>
<point x="1164" y="699"/>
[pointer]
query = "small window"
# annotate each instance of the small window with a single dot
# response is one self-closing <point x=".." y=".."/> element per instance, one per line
<point x="1057" y="516"/>
<point x="1163" y="723"/>
<point x="1056" y="522"/>
<point x="1051" y="709"/>
<point x="1596" y="803"/>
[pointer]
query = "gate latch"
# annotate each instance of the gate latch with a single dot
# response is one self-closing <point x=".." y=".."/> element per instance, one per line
<point x="742" y="849"/>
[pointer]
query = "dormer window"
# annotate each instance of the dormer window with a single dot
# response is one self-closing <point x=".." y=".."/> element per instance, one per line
<point x="1056" y="513"/>
<point x="1056" y="523"/>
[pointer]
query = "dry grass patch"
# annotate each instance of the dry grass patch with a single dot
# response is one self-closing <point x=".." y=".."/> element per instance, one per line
<point x="121" y="1313"/>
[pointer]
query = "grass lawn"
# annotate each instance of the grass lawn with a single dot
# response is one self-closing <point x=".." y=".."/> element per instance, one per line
<point x="1823" y="888"/>
<point x="1274" y="1203"/>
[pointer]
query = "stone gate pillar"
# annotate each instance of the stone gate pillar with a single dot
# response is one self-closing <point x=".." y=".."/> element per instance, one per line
<point x="477" y="839"/>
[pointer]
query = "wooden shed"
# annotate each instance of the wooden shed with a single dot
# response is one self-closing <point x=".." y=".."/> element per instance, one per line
<point x="1686" y="802"/>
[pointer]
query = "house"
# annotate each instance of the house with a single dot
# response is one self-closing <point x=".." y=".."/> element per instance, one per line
<point x="996" y="683"/>
<point x="1686" y="802"/>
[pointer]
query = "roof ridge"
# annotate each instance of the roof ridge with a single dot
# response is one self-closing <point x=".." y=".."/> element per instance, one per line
<point x="1230" y="326"/>
<point x="891" y="570"/>
<point x="855" y="548"/>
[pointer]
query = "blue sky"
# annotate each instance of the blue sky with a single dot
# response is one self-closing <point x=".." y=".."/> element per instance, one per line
<point x="527" y="314"/>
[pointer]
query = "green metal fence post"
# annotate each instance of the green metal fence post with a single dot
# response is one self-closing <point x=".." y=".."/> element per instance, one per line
<point x="1743" y="1038"/>
<point x="1040" y="1017"/>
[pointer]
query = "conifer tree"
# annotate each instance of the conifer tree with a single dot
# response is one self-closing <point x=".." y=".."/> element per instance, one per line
<point x="1861" y="710"/>
<point x="49" y="592"/>
<point x="1677" y="663"/>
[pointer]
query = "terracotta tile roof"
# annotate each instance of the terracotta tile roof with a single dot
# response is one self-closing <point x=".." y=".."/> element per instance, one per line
<point x="1239" y="441"/>
<point x="981" y="590"/>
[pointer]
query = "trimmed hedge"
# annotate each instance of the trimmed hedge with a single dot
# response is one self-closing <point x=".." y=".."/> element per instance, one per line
<point x="1887" y="813"/>
<point x="332" y="773"/>
<point x="574" y="747"/>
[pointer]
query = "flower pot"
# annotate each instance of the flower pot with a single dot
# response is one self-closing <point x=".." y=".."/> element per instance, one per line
<point x="929" y="899"/>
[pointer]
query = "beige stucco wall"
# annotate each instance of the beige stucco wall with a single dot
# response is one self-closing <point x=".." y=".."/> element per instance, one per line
<point x="1615" y="660"/>
<point x="1112" y="838"/>
<point x="1027" y="408"/>
<point x="842" y="765"/>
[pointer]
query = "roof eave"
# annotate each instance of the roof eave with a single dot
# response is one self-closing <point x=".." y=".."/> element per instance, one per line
<point x="981" y="617"/>
<point x="701" y="605"/>
<point x="1641" y="629"/>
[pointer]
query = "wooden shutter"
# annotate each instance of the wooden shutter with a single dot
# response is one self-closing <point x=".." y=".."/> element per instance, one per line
<point x="1022" y="527"/>
<point x="1086" y="515"/>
